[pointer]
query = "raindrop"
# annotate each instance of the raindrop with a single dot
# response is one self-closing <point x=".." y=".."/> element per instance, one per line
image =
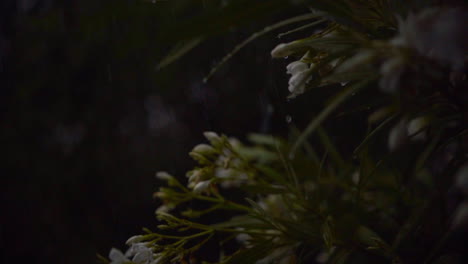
<point x="288" y="119"/>
<point x="285" y="57"/>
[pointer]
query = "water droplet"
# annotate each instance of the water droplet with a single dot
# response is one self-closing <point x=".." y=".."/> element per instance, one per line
<point x="288" y="119"/>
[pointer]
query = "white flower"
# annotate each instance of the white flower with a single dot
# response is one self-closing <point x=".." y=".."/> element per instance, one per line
<point x="162" y="175"/>
<point x="165" y="208"/>
<point x="391" y="71"/>
<point x="210" y="135"/>
<point x="117" y="257"/>
<point x="243" y="238"/>
<point x="141" y="253"/>
<point x="296" y="67"/>
<point x="436" y="33"/>
<point x="224" y="173"/>
<point x="203" y="149"/>
<point x="298" y="81"/>
<point x="213" y="138"/>
<point x="398" y="135"/>
<point x="195" y="175"/>
<point x="281" y="50"/>
<point x="416" y="128"/>
<point x="301" y="74"/>
<point x="134" y="239"/>
<point x="231" y="177"/>
<point x="201" y="186"/>
<point x="404" y="130"/>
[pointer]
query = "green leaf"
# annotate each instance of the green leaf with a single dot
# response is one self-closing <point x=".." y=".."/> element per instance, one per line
<point x="340" y="255"/>
<point x="372" y="133"/>
<point x="301" y="28"/>
<point x="255" y="36"/>
<point x="178" y="51"/>
<point x="330" y="147"/>
<point x="337" y="101"/>
<point x="250" y="255"/>
<point x="263" y="139"/>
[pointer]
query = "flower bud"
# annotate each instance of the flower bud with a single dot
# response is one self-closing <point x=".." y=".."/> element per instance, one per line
<point x="134" y="239"/>
<point x="280" y="51"/>
<point x="203" y="149"/>
<point x="201" y="186"/>
<point x="298" y="81"/>
<point x="116" y="256"/>
<point x="296" y="67"/>
<point x="162" y="175"/>
<point x="211" y="136"/>
<point x="416" y="128"/>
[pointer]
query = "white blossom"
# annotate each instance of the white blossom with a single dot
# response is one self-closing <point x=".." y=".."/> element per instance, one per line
<point x="117" y="257"/>
<point x="162" y="175"/>
<point x="164" y="208"/>
<point x="230" y="177"/>
<point x="439" y="34"/>
<point x="210" y="135"/>
<point x="405" y="130"/>
<point x="416" y="128"/>
<point x="301" y="74"/>
<point x="201" y="186"/>
<point x="203" y="149"/>
<point x="214" y="139"/>
<point x="296" y="67"/>
<point x="134" y="239"/>
<point x="195" y="175"/>
<point x="282" y="50"/>
<point x="398" y="135"/>
<point x="141" y="253"/>
<point x="391" y="71"/>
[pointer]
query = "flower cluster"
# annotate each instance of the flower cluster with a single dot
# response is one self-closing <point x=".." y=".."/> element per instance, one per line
<point x="219" y="163"/>
<point x="138" y="253"/>
<point x="291" y="202"/>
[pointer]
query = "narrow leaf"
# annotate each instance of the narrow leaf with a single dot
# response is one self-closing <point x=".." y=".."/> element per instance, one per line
<point x="255" y="36"/>
<point x="337" y="101"/>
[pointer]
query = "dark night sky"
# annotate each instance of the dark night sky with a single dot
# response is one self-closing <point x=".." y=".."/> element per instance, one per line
<point x="86" y="121"/>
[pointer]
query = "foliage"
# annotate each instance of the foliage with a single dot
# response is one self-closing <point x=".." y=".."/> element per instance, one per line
<point x="309" y="200"/>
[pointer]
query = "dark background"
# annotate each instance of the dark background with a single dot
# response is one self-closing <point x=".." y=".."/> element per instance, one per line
<point x="86" y="120"/>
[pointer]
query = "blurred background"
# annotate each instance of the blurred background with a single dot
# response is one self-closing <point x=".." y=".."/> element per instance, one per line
<point x="87" y="120"/>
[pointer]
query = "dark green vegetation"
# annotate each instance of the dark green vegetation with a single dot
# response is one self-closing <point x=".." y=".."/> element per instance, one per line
<point x="366" y="170"/>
